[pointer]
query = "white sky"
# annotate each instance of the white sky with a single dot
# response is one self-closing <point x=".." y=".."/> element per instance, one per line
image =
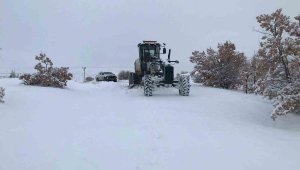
<point x="104" y="33"/>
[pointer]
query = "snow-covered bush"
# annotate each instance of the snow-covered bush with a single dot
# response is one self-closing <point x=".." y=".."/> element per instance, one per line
<point x="181" y="73"/>
<point x="2" y="94"/>
<point x="47" y="75"/>
<point x="274" y="81"/>
<point x="123" y="75"/>
<point x="288" y="100"/>
<point x="196" y="77"/>
<point x="288" y="94"/>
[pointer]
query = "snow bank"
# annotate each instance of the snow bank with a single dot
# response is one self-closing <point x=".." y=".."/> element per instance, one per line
<point x="108" y="126"/>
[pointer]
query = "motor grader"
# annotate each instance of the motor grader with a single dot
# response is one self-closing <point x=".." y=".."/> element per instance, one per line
<point x="151" y="72"/>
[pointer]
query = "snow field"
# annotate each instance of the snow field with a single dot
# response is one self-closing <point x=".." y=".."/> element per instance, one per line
<point x="108" y="126"/>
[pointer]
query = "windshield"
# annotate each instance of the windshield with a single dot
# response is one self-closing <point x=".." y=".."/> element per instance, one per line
<point x="101" y="73"/>
<point x="108" y="73"/>
<point x="151" y="51"/>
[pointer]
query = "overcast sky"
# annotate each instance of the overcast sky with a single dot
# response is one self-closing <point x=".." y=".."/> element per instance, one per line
<point x="105" y="33"/>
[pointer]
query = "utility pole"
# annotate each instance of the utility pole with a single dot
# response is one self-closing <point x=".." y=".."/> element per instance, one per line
<point x="83" y="73"/>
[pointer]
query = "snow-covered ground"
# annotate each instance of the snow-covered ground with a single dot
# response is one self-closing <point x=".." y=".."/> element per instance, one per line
<point x="106" y="126"/>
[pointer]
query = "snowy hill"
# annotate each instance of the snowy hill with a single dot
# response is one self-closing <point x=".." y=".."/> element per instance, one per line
<point x="107" y="126"/>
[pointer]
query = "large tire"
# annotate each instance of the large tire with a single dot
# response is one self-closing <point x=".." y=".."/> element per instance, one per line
<point x="184" y="85"/>
<point x="148" y="85"/>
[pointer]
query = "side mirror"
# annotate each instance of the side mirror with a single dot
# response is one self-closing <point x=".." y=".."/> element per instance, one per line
<point x="164" y="50"/>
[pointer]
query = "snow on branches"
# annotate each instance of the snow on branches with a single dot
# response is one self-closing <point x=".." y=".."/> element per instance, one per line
<point x="47" y="75"/>
<point x="280" y="51"/>
<point x="219" y="68"/>
<point x="288" y="100"/>
<point x="274" y="71"/>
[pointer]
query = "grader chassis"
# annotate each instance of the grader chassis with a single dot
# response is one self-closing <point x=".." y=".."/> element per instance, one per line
<point x="151" y="72"/>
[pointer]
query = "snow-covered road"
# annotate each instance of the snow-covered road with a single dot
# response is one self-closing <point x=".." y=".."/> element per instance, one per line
<point x="107" y="126"/>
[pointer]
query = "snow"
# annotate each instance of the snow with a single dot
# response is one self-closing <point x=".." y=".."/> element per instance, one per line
<point x="108" y="126"/>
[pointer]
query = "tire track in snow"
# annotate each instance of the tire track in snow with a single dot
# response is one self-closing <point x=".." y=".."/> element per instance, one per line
<point x="153" y="159"/>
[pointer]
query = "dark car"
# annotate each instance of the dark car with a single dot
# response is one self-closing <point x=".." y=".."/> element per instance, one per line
<point x="106" y="76"/>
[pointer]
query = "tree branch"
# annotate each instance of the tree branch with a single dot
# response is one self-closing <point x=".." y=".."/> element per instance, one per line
<point x="265" y="33"/>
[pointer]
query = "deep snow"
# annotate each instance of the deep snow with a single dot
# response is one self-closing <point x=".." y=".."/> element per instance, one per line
<point x="108" y="126"/>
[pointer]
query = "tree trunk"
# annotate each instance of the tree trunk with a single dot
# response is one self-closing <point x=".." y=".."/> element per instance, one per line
<point x="285" y="64"/>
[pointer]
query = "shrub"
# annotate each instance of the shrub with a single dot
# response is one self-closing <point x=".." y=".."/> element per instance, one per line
<point x="88" y="79"/>
<point x="47" y="75"/>
<point x="288" y="100"/>
<point x="123" y="75"/>
<point x="2" y="94"/>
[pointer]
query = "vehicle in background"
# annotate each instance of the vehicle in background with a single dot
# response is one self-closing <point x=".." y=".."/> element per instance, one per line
<point x="106" y="76"/>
